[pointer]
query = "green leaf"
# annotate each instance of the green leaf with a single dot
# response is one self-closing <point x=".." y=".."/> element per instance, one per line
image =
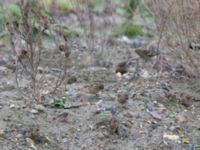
<point x="57" y="102"/>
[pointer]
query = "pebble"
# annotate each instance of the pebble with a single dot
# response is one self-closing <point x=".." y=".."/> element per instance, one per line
<point x="12" y="106"/>
<point x="2" y="62"/>
<point x="34" y="111"/>
<point x="2" y="132"/>
<point x="40" y="108"/>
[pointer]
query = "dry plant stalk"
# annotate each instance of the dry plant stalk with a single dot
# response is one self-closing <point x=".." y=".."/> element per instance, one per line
<point x="86" y="20"/>
<point x="29" y="53"/>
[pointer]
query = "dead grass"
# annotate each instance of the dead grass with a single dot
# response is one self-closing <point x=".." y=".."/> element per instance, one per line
<point x="178" y="23"/>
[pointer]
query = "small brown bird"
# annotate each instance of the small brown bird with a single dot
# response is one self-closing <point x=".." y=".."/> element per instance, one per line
<point x="9" y="27"/>
<point x="34" y="134"/>
<point x="122" y="67"/>
<point x="23" y="54"/>
<point x="94" y="89"/>
<point x="185" y="99"/>
<point x="122" y="98"/>
<point x="146" y="54"/>
<point x="114" y="124"/>
<point x="71" y="80"/>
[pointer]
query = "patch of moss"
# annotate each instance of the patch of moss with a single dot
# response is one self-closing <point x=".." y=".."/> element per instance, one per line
<point x="129" y="29"/>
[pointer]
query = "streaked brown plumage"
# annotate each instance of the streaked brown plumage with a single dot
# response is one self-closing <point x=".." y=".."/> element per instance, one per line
<point x="122" y="67"/>
<point x="71" y="80"/>
<point x="122" y="98"/>
<point x="97" y="87"/>
<point x="65" y="48"/>
<point x="146" y="54"/>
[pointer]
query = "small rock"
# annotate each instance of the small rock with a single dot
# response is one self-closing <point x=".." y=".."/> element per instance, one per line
<point x="34" y="111"/>
<point x="63" y="117"/>
<point x="154" y="125"/>
<point x="2" y="132"/>
<point x="65" y="140"/>
<point x="129" y="114"/>
<point x="40" y="108"/>
<point x="156" y="115"/>
<point x="41" y="70"/>
<point x="180" y="70"/>
<point x="190" y="147"/>
<point x="185" y="140"/>
<point x="118" y="74"/>
<point x="172" y="96"/>
<point x="181" y="118"/>
<point x="171" y="137"/>
<point x="2" y="62"/>
<point x="30" y="143"/>
<point x="101" y="136"/>
<point x="136" y="43"/>
<point x="19" y="125"/>
<point x="123" y="131"/>
<point x="194" y="46"/>
<point x="172" y="128"/>
<point x="145" y="74"/>
<point x="12" y="106"/>
<point x="19" y="135"/>
<point x="63" y="114"/>
<point x="32" y="117"/>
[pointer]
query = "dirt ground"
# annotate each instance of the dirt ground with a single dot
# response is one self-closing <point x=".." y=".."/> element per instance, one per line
<point x="134" y="111"/>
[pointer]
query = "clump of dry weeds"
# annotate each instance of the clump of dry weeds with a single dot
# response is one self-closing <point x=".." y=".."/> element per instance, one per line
<point x="178" y="23"/>
<point x="26" y="39"/>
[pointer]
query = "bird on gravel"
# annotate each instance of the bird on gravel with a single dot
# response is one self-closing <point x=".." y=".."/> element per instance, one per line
<point x="122" y="67"/>
<point x="146" y="54"/>
<point x="122" y="98"/>
<point x="96" y="88"/>
<point x="72" y="79"/>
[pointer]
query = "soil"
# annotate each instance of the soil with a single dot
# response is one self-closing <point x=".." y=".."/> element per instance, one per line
<point x="157" y="113"/>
